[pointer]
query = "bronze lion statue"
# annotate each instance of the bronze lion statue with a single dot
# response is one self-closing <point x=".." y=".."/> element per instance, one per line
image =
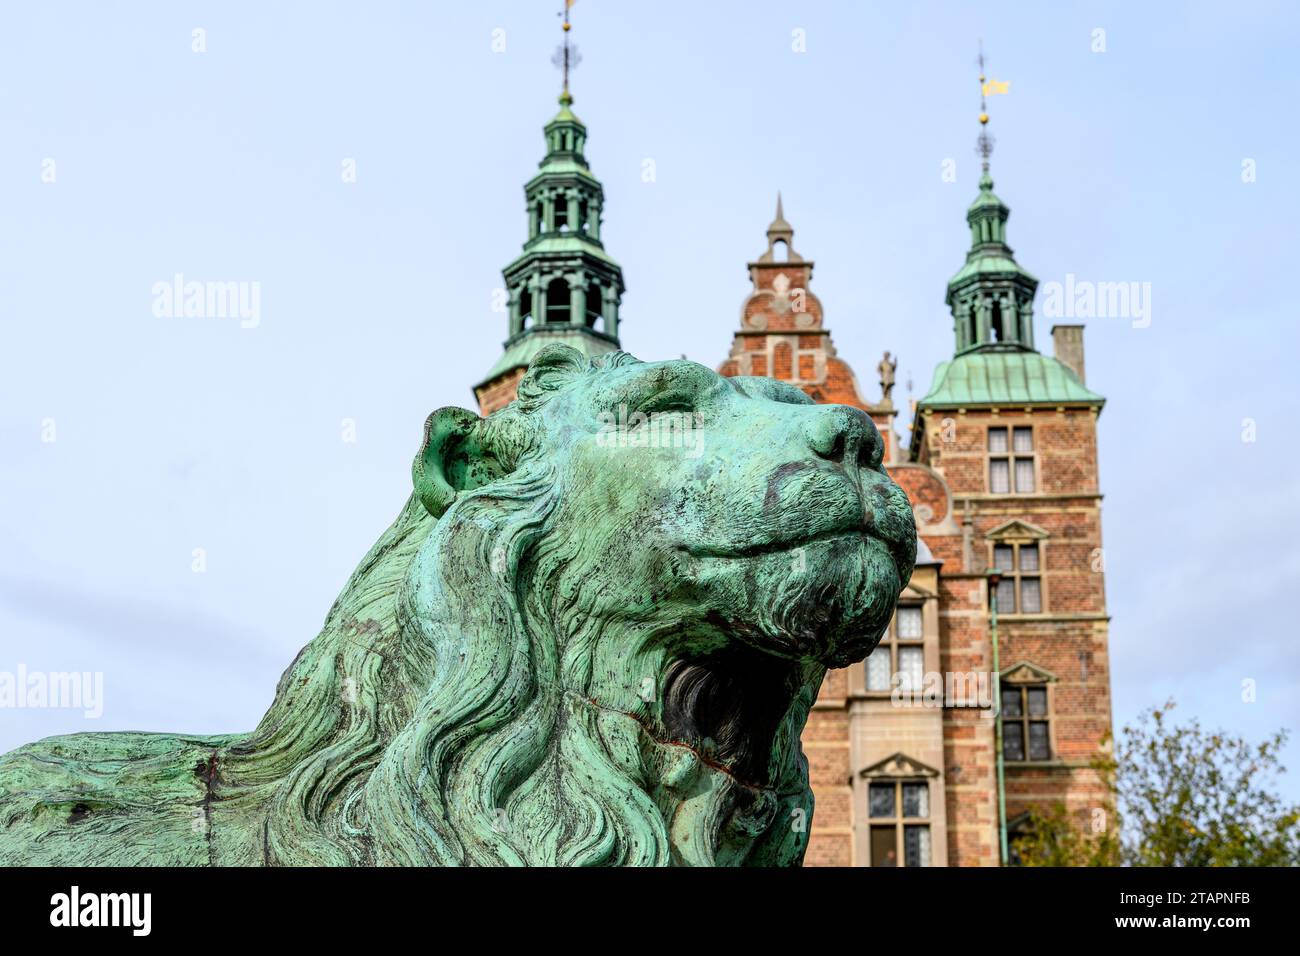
<point x="577" y="645"/>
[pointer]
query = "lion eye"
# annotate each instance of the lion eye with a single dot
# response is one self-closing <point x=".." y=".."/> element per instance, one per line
<point x="674" y="406"/>
<point x="669" y="403"/>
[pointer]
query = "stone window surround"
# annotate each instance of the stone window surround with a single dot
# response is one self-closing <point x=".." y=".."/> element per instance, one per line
<point x="899" y="769"/>
<point x="1017" y="533"/>
<point x="1025" y="674"/>
<point x="912" y="596"/>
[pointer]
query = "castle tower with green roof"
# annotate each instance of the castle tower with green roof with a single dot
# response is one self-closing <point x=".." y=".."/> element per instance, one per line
<point x="991" y="299"/>
<point x="1003" y="475"/>
<point x="564" y="287"/>
<point x="992" y="296"/>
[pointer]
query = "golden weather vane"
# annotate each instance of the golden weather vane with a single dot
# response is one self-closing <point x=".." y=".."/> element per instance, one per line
<point x="566" y="57"/>
<point x="987" y="88"/>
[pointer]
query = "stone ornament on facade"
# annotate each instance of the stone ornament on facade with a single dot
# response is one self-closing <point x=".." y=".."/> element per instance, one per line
<point x="899" y="765"/>
<point x="537" y="663"/>
<point x="886" y="369"/>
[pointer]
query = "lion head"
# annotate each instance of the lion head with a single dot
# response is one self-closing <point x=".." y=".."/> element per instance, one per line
<point x="592" y="637"/>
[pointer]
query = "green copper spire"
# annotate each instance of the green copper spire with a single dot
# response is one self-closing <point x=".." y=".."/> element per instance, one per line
<point x="992" y="303"/>
<point x="564" y="287"/>
<point x="991" y="296"/>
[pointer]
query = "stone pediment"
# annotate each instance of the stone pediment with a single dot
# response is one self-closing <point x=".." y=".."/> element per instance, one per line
<point x="914" y="592"/>
<point x="1027" y="673"/>
<point x="1017" y="529"/>
<point x="898" y="766"/>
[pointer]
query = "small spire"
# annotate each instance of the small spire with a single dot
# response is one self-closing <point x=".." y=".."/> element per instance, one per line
<point x="984" y="145"/>
<point x="782" y="232"/>
<point x="779" y="226"/>
<point x="566" y="57"/>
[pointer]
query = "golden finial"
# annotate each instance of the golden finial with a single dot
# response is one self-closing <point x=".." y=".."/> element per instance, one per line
<point x="988" y="88"/>
<point x="566" y="57"/>
<point x="984" y="145"/>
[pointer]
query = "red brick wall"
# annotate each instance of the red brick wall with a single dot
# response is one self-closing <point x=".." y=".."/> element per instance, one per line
<point x="499" y="392"/>
<point x="1069" y="639"/>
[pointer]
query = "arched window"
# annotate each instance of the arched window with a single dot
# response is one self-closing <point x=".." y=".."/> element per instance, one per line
<point x="595" y="304"/>
<point x="780" y="251"/>
<point x="995" y="324"/>
<point x="558" y="309"/>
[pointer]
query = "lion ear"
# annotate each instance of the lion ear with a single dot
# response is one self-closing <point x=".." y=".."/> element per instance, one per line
<point x="453" y="458"/>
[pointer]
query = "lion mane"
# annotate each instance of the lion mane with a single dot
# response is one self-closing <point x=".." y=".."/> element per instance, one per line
<point x="445" y="714"/>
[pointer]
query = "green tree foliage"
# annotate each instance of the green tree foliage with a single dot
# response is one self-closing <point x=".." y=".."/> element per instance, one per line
<point x="1180" y="796"/>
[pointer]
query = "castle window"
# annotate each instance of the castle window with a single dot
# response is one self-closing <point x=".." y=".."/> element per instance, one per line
<point x="1014" y="460"/>
<point x="594" y="304"/>
<point x="525" y="308"/>
<point x="900" y="652"/>
<point x="558" y="307"/>
<point x="1026" y="733"/>
<point x="900" y="822"/>
<point x="1020" y="590"/>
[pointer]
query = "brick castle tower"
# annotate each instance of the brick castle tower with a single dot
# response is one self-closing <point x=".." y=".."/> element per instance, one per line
<point x="564" y="287"/>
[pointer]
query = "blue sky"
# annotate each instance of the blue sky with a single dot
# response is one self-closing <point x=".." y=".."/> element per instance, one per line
<point x="176" y="434"/>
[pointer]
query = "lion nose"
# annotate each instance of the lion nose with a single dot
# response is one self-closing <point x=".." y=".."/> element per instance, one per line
<point x="845" y="436"/>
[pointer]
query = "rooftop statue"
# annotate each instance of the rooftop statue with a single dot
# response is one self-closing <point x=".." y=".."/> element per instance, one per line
<point x="592" y="637"/>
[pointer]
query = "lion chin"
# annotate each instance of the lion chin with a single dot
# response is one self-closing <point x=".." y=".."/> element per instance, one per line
<point x="833" y="611"/>
<point x="562" y="652"/>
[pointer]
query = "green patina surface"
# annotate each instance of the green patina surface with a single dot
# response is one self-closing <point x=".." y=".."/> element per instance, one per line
<point x="992" y="265"/>
<point x="563" y="277"/>
<point x="578" y="644"/>
<point x="520" y="352"/>
<point x="1008" y="377"/>
<point x="991" y="299"/>
<point x="560" y="244"/>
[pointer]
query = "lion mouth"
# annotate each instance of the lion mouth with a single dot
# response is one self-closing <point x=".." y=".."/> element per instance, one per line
<point x="775" y="547"/>
<point x="730" y="705"/>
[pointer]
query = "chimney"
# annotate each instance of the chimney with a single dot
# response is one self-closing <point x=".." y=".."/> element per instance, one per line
<point x="1067" y="346"/>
